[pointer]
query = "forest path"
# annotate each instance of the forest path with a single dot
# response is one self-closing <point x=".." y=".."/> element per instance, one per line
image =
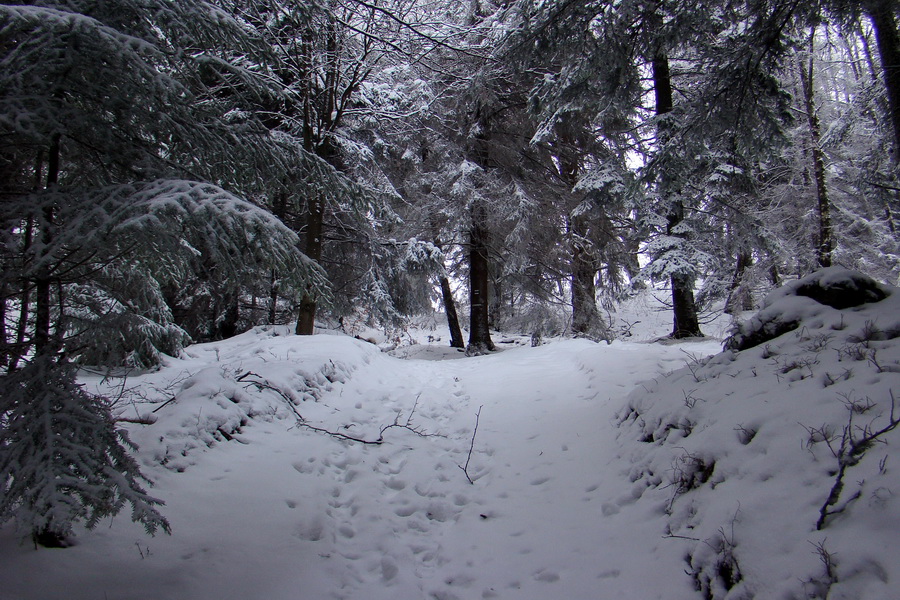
<point x="540" y="519"/>
<point x="290" y="513"/>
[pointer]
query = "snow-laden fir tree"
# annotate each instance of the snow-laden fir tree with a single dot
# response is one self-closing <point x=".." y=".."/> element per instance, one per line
<point x="115" y="117"/>
<point x="63" y="461"/>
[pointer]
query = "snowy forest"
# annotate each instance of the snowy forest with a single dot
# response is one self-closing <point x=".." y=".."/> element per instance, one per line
<point x="449" y="300"/>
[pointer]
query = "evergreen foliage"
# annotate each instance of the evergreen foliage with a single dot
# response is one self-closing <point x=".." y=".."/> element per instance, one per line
<point x="62" y="458"/>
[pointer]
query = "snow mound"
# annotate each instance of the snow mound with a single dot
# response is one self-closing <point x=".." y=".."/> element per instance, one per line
<point x="820" y="295"/>
<point x="773" y="464"/>
<point x="261" y="375"/>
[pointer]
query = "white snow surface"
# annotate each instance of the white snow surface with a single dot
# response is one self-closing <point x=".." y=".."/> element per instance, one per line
<point x="599" y="471"/>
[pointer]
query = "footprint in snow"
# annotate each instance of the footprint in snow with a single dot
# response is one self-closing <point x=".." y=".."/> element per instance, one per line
<point x="405" y="510"/>
<point x="311" y="532"/>
<point x="609" y="574"/>
<point x="347" y="531"/>
<point x="389" y="569"/>
<point x="304" y="468"/>
<point x="395" y="484"/>
<point x="546" y="576"/>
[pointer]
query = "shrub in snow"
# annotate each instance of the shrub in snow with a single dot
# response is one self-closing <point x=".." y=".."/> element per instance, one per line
<point x="62" y="459"/>
<point x="760" y="454"/>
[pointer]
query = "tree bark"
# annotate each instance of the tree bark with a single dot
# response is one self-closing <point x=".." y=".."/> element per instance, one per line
<point x="739" y="298"/>
<point x="279" y="209"/>
<point x="685" y="321"/>
<point x="479" y="329"/>
<point x="881" y="13"/>
<point x="273" y="298"/>
<point x="584" y="264"/>
<point x="19" y="346"/>
<point x="456" y="336"/>
<point x="226" y="325"/>
<point x="4" y="345"/>
<point x="585" y="317"/>
<point x="823" y="206"/>
<point x="479" y="267"/>
<point x="42" y="281"/>
<point x="306" y="321"/>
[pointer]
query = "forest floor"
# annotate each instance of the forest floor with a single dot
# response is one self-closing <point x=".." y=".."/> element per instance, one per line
<point x="596" y="471"/>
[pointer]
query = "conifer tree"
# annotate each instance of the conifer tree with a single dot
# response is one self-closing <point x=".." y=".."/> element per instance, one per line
<point x="62" y="458"/>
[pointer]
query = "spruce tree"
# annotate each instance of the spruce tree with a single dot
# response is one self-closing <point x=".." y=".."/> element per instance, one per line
<point x="63" y="460"/>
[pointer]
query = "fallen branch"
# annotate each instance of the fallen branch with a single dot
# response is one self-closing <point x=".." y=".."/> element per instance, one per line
<point x="340" y="436"/>
<point x="408" y="424"/>
<point x="680" y="537"/>
<point x="169" y="401"/>
<point x="144" y="419"/>
<point x="263" y="384"/>
<point x="465" y="469"/>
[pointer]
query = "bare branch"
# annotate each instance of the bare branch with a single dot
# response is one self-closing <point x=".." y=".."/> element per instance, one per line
<point x="465" y="469"/>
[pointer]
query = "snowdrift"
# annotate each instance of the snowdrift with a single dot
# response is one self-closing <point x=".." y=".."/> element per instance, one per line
<point x="262" y="375"/>
<point x="776" y="462"/>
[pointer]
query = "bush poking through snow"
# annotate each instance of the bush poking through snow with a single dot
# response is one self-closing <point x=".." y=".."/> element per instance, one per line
<point x="62" y="459"/>
<point x="714" y="567"/>
<point x="784" y="308"/>
<point x="817" y="368"/>
<point x="855" y="441"/>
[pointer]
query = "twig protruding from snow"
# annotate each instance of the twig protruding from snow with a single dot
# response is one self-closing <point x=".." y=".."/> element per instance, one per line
<point x="852" y="449"/>
<point x="465" y="469"/>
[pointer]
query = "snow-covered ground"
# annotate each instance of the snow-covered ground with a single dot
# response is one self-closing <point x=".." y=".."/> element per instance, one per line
<point x="597" y="471"/>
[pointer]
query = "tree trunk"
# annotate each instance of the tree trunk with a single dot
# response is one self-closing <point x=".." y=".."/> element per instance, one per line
<point x="42" y="279"/>
<point x="685" y="321"/>
<point x="881" y="13"/>
<point x="306" y="321"/>
<point x="456" y="336"/>
<point x="631" y="261"/>
<point x="585" y="317"/>
<point x="774" y="275"/>
<point x="584" y="264"/>
<point x="739" y="298"/>
<point x="4" y="343"/>
<point x="279" y="209"/>
<point x="479" y="329"/>
<point x="19" y="346"/>
<point x="479" y="268"/>
<point x="823" y="207"/>
<point x="273" y="298"/>
<point x="226" y="325"/>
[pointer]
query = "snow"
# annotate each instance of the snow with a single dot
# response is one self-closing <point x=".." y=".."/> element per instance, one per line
<point x="589" y="468"/>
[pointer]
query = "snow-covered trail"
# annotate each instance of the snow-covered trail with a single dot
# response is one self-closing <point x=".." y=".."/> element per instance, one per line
<point x="558" y="505"/>
<point x="295" y="514"/>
